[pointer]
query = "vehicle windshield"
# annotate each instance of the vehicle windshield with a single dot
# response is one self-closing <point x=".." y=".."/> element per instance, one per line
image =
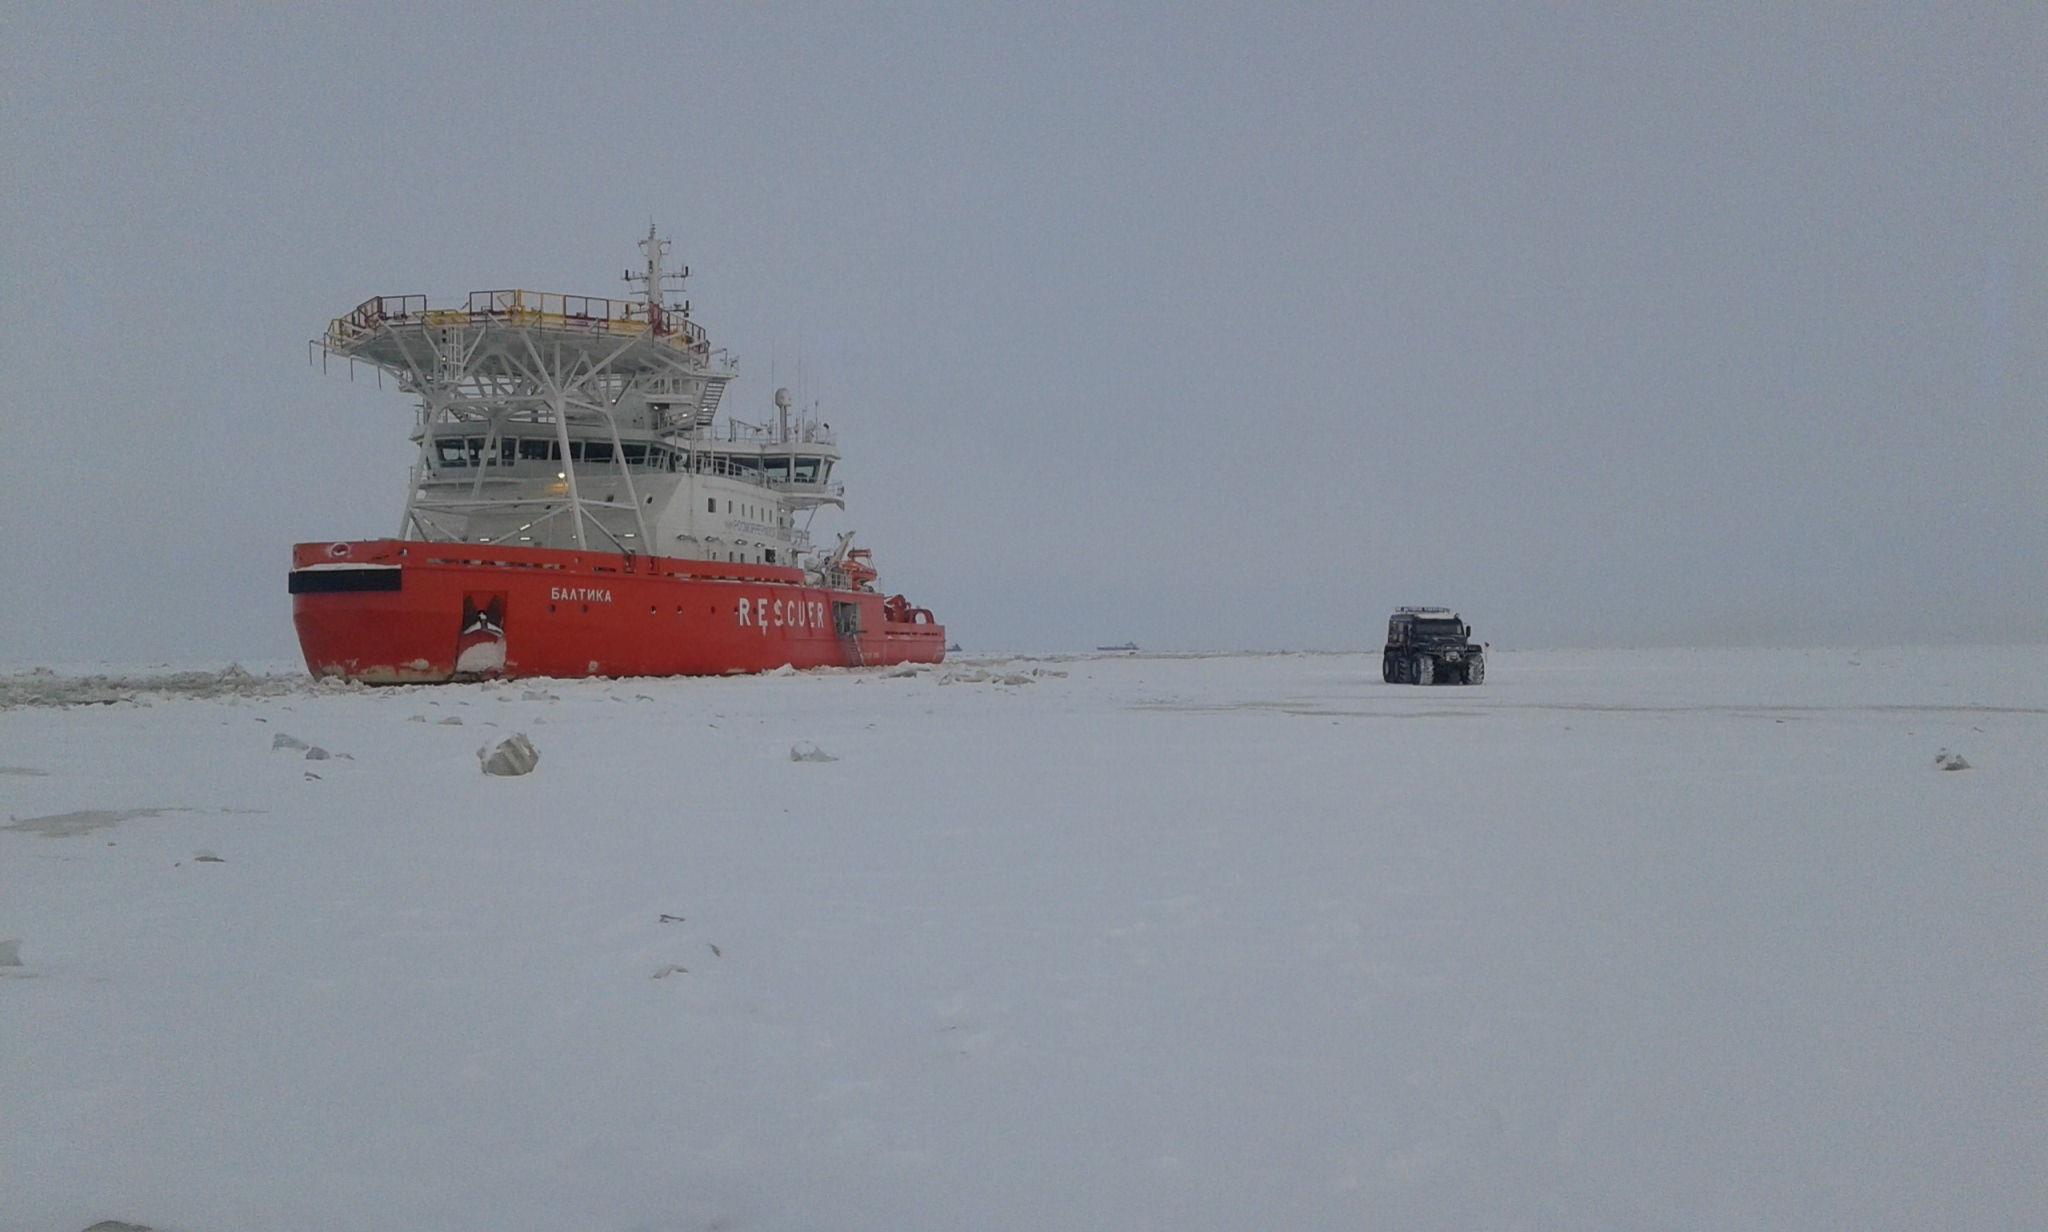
<point x="1439" y="628"/>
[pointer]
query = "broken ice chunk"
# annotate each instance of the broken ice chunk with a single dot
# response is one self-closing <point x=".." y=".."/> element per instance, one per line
<point x="514" y="754"/>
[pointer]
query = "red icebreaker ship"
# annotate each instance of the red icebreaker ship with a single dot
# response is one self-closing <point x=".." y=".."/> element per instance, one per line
<point x="578" y="509"/>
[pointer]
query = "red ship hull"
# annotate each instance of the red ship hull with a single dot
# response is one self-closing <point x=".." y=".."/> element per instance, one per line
<point x="409" y="612"/>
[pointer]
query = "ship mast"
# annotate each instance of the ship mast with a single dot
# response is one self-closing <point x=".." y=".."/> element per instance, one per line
<point x="654" y="282"/>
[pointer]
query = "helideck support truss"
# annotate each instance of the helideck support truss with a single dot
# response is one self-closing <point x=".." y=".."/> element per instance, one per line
<point x="544" y="363"/>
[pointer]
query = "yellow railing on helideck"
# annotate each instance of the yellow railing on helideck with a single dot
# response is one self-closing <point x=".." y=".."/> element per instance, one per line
<point x="539" y="309"/>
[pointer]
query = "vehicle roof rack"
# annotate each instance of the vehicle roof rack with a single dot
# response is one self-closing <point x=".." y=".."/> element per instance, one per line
<point x="1420" y="611"/>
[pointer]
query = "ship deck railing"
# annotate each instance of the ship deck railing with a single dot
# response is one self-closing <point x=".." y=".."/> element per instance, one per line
<point x="678" y="459"/>
<point x="538" y="309"/>
<point x="804" y="432"/>
<point x="442" y="470"/>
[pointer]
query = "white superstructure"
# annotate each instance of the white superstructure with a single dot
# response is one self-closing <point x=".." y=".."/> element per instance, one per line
<point x="566" y="421"/>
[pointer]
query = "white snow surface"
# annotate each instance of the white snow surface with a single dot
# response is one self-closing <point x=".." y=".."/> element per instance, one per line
<point x="1686" y="940"/>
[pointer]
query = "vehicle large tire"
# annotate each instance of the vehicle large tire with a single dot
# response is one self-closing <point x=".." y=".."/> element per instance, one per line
<point x="1475" y="670"/>
<point x="1387" y="671"/>
<point x="1425" y="670"/>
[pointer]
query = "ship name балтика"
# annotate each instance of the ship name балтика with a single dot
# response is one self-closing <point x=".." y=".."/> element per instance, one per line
<point x="578" y="508"/>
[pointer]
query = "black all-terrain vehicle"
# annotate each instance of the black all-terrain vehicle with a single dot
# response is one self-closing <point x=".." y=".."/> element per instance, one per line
<point x="1430" y="645"/>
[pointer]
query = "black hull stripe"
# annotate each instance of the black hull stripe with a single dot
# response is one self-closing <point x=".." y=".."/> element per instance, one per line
<point x="329" y="581"/>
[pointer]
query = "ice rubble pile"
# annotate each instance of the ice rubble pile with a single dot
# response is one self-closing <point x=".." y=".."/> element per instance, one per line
<point x="43" y="687"/>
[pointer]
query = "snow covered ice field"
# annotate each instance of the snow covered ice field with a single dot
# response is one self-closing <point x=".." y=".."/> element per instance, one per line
<point x="1685" y="940"/>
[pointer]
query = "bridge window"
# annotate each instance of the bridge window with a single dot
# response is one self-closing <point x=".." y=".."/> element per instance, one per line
<point x="807" y="470"/>
<point x="469" y="451"/>
<point x="532" y="449"/>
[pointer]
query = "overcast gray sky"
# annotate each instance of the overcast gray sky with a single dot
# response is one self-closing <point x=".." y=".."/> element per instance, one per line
<point x="1208" y="327"/>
